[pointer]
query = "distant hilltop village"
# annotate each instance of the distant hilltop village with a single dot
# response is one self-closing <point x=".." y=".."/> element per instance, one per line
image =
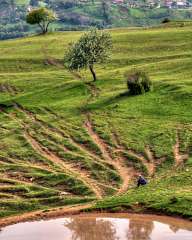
<point x="81" y="14"/>
<point x="154" y="3"/>
<point x="172" y="4"/>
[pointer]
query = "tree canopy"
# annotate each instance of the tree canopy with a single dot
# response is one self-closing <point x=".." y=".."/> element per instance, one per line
<point x="41" y="16"/>
<point x="93" y="47"/>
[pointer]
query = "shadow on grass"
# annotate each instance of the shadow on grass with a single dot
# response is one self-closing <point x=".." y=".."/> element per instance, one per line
<point x="6" y="105"/>
<point x="113" y="100"/>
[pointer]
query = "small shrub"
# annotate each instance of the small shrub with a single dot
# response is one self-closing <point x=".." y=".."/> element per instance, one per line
<point x="166" y="20"/>
<point x="138" y="83"/>
<point x="173" y="200"/>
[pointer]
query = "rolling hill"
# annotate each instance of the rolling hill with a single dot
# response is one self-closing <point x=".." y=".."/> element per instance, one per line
<point x="65" y="140"/>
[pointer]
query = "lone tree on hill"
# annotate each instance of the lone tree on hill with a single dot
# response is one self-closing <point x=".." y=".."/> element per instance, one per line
<point x="41" y="16"/>
<point x="93" y="47"/>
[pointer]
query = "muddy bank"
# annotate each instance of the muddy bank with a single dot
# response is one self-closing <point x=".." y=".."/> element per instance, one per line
<point x="46" y="214"/>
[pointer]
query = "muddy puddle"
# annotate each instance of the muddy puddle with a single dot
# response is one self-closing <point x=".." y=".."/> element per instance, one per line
<point x="101" y="227"/>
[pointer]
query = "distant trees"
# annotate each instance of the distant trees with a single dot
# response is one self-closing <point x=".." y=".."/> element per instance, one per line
<point x="34" y="3"/>
<point x="61" y="4"/>
<point x="42" y="17"/>
<point x="106" y="11"/>
<point x="10" y="6"/>
<point x="93" y="47"/>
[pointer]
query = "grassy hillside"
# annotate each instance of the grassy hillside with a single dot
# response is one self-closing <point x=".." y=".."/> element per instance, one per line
<point x="64" y="140"/>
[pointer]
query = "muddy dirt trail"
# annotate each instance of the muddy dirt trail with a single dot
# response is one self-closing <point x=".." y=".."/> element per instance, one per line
<point x="68" y="168"/>
<point x="118" y="163"/>
<point x="53" y="157"/>
<point x="178" y="156"/>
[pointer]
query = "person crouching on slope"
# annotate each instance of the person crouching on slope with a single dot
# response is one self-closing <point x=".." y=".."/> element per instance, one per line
<point x="141" y="181"/>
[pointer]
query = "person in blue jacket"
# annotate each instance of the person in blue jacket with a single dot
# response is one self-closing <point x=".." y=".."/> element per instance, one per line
<point x="141" y="181"/>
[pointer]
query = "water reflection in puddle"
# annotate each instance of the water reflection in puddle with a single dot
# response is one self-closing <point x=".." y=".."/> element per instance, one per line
<point x="97" y="227"/>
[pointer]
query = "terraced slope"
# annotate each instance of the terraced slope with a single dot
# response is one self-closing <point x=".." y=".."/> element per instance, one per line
<point x="65" y="140"/>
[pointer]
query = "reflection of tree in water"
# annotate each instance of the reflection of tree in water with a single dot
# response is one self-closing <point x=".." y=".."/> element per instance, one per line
<point x="139" y="229"/>
<point x="174" y="228"/>
<point x="91" y="229"/>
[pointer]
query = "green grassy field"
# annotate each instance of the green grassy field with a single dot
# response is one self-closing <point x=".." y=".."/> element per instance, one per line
<point x="66" y="141"/>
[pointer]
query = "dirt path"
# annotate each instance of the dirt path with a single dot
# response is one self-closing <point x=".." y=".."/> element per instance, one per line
<point x="92" y="155"/>
<point x="37" y="166"/>
<point x="51" y="60"/>
<point x="179" y="158"/>
<point x="67" y="167"/>
<point x="150" y="166"/>
<point x="71" y="140"/>
<point x="93" y="90"/>
<point x="124" y="172"/>
<point x="7" y="88"/>
<point x="128" y="173"/>
<point x="29" y="165"/>
<point x="119" y="163"/>
<point x="29" y="182"/>
<point x="62" y="134"/>
<point x="52" y="213"/>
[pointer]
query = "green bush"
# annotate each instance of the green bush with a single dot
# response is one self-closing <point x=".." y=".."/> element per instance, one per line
<point x="138" y="83"/>
<point x="166" y="20"/>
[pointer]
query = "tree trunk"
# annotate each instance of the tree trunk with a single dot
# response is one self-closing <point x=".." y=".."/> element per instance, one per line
<point x="42" y="28"/>
<point x="93" y="73"/>
<point x="47" y="26"/>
